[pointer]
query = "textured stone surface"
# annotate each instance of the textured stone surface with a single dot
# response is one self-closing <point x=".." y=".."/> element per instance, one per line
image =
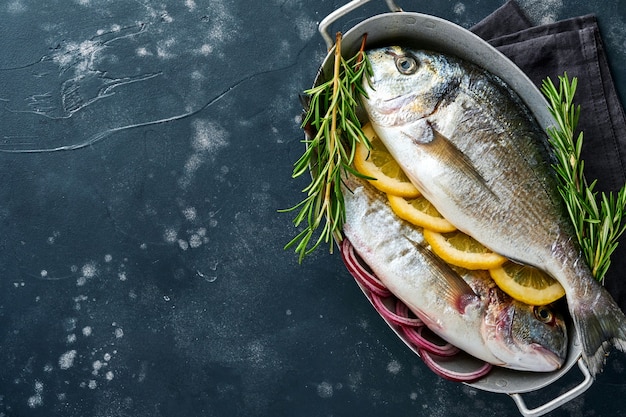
<point x="146" y="148"/>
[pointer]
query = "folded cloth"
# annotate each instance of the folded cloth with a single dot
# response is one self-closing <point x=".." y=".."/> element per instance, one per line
<point x="573" y="46"/>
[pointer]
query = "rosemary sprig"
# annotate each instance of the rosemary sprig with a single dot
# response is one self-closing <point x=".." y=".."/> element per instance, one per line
<point x="597" y="218"/>
<point x="332" y="118"/>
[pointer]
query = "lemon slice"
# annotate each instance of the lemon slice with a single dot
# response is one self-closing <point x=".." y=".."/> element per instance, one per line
<point x="420" y="212"/>
<point x="378" y="163"/>
<point x="459" y="249"/>
<point x="527" y="284"/>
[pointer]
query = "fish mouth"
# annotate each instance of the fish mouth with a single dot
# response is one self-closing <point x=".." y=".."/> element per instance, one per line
<point x="395" y="111"/>
<point x="552" y="359"/>
<point x="394" y="104"/>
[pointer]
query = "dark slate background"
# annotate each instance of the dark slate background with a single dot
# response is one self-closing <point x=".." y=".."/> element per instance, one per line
<point x="142" y="264"/>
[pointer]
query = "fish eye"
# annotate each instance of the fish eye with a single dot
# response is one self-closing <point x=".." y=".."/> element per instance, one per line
<point x="543" y="314"/>
<point x="406" y="64"/>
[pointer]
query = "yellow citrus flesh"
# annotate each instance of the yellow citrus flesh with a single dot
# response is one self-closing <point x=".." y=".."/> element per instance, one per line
<point x="420" y="212"/>
<point x="527" y="284"/>
<point x="459" y="249"/>
<point x="378" y="163"/>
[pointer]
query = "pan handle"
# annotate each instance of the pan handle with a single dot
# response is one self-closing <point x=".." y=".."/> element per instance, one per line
<point x="342" y="11"/>
<point x="558" y="401"/>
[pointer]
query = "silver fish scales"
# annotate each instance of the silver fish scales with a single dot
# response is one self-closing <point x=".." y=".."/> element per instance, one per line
<point x="474" y="150"/>
<point x="464" y="308"/>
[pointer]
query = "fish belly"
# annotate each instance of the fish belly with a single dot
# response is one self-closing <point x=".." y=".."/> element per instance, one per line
<point x="388" y="245"/>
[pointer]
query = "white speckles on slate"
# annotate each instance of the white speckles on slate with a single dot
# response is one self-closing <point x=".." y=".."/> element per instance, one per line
<point x="190" y="213"/>
<point x="191" y="5"/>
<point x="166" y="47"/>
<point x="325" y="389"/>
<point x="51" y="239"/>
<point x="69" y="324"/>
<point x="170" y="235"/>
<point x="89" y="270"/>
<point x="542" y="11"/>
<point x="305" y="27"/>
<point x="394" y="367"/>
<point x="96" y="366"/>
<point x="16" y="6"/>
<point x="36" y="400"/>
<point x="222" y="25"/>
<point x="119" y="333"/>
<point x="195" y="241"/>
<point x="183" y="244"/>
<point x="207" y="139"/>
<point x="205" y="49"/>
<point x="459" y="9"/>
<point x="66" y="360"/>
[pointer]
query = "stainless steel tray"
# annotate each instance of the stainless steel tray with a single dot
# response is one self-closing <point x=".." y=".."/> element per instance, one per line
<point x="429" y="32"/>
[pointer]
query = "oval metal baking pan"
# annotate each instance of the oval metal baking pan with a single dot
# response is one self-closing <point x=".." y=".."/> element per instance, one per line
<point x="436" y="34"/>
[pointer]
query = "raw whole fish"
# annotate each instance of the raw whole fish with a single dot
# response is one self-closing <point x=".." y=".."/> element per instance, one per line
<point x="467" y="141"/>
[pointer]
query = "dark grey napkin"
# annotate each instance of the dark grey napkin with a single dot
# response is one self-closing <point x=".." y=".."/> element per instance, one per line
<point x="573" y="46"/>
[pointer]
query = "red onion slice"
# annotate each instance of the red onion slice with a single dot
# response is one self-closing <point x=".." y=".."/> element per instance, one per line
<point x="358" y="271"/>
<point x="414" y="335"/>
<point x="451" y="375"/>
<point x="403" y="311"/>
<point x="400" y="320"/>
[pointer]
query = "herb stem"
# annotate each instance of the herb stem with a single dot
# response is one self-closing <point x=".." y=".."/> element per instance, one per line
<point x="597" y="219"/>
<point x="333" y="130"/>
<point x="332" y="140"/>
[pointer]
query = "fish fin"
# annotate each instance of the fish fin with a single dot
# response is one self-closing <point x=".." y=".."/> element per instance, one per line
<point x="419" y="132"/>
<point x="600" y="324"/>
<point x="451" y="285"/>
<point x="445" y="150"/>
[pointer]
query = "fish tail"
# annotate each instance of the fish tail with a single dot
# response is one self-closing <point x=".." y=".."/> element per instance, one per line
<point x="600" y="324"/>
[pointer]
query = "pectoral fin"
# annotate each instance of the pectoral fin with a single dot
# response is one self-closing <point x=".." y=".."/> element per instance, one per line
<point x="442" y="149"/>
<point x="452" y="155"/>
<point x="450" y="285"/>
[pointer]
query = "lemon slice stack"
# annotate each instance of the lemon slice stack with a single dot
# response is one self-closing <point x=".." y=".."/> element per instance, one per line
<point x="524" y="283"/>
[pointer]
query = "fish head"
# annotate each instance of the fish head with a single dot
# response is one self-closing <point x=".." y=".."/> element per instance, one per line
<point x="525" y="337"/>
<point x="406" y="85"/>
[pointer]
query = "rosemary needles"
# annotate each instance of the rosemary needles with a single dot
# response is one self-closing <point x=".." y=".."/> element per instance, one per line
<point x="597" y="218"/>
<point x="335" y="127"/>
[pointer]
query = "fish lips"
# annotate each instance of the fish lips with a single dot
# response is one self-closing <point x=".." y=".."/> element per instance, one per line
<point x="552" y="360"/>
<point x="397" y="111"/>
<point x="391" y="105"/>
